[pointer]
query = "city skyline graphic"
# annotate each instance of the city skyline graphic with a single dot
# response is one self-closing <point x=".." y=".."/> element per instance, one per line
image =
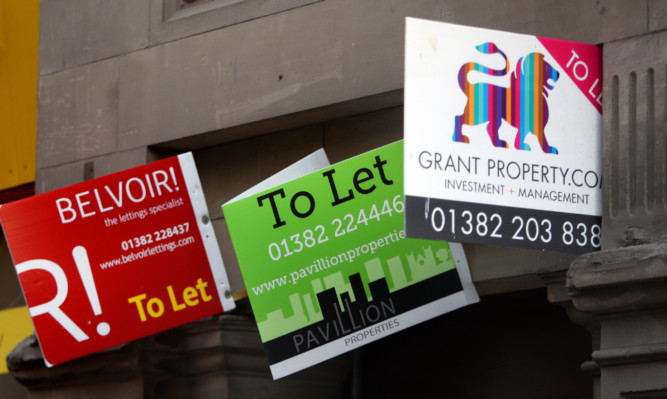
<point x="395" y="273"/>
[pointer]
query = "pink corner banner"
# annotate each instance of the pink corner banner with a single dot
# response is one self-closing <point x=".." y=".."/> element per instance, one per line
<point x="582" y="63"/>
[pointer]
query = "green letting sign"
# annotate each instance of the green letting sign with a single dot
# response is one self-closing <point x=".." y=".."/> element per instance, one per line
<point x="327" y="264"/>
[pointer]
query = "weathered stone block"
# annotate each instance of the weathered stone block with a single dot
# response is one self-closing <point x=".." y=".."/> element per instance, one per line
<point x="318" y="55"/>
<point x="347" y="137"/>
<point x="657" y="15"/>
<point x="228" y="170"/>
<point x="51" y="178"/>
<point x="118" y="161"/>
<point x="634" y="141"/>
<point x="496" y="269"/>
<point x="589" y="22"/>
<point x="635" y="381"/>
<point x="634" y="330"/>
<point x="176" y="19"/>
<point x="215" y="82"/>
<point x="77" y="114"/>
<point x="73" y="33"/>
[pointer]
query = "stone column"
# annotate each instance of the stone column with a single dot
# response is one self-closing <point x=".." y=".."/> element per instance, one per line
<point x="626" y="290"/>
<point x="624" y="286"/>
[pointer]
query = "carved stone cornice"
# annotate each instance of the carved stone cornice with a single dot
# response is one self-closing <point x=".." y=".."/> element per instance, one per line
<point x="620" y="280"/>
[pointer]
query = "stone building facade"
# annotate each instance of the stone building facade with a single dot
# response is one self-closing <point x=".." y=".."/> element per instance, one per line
<point x="252" y="86"/>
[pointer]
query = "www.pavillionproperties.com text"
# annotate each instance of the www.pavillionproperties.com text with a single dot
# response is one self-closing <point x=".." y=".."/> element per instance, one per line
<point x="327" y="262"/>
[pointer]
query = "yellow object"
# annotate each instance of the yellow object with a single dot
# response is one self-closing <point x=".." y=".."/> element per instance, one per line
<point x="19" y="33"/>
<point x="15" y="325"/>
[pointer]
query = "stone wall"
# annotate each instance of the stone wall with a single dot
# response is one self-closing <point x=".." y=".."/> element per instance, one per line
<point x="252" y="86"/>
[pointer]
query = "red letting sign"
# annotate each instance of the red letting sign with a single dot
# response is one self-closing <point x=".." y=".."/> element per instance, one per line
<point x="116" y="258"/>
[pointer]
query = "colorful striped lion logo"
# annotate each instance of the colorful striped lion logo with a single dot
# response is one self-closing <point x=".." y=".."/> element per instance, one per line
<point x="523" y="104"/>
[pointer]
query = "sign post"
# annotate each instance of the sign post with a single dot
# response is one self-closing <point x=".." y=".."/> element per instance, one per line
<point x="116" y="258"/>
<point x="502" y="138"/>
<point x="328" y="267"/>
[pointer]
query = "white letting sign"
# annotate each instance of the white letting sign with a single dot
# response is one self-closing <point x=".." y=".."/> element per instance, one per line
<point x="502" y="138"/>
